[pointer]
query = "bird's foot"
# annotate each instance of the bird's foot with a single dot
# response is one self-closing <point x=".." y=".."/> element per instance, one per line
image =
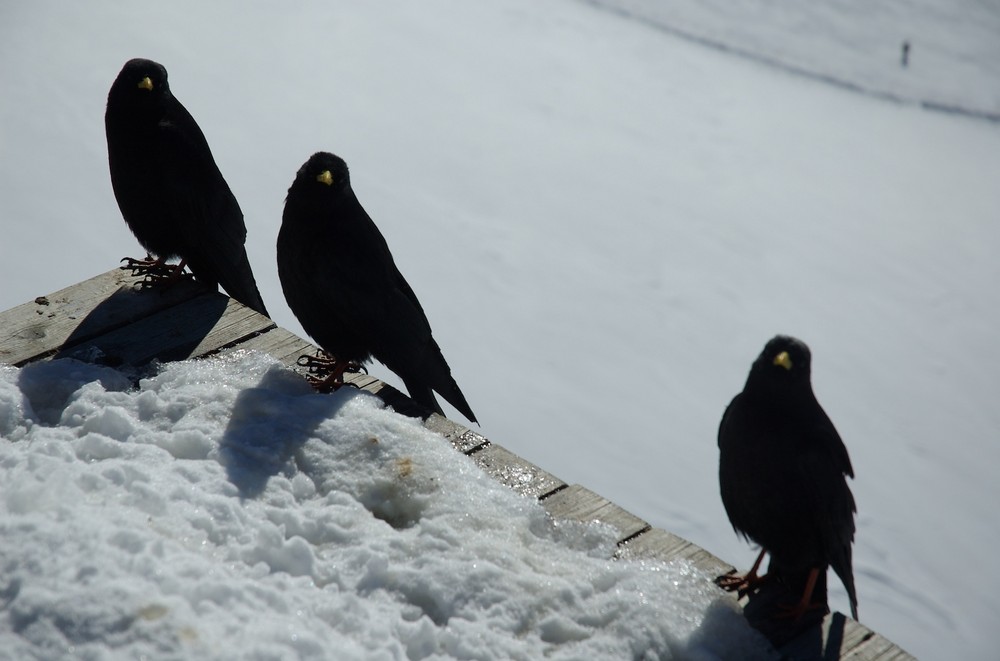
<point x="154" y="272"/>
<point x="137" y="266"/>
<point x="326" y="372"/>
<point x="741" y="585"/>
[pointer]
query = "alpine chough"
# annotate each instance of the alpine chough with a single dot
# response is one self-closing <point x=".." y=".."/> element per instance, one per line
<point x="782" y="468"/>
<point x="169" y="189"/>
<point x="340" y="280"/>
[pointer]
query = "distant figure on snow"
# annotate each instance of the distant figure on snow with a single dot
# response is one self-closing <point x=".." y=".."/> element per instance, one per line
<point x="905" y="59"/>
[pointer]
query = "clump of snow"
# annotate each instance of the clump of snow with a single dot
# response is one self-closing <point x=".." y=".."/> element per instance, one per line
<point x="221" y="508"/>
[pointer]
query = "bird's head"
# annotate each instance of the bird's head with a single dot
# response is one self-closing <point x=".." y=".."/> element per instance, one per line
<point x="785" y="363"/>
<point x="323" y="175"/>
<point x="140" y="83"/>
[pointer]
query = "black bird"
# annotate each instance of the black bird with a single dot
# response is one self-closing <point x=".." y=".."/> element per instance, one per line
<point x="341" y="282"/>
<point x="169" y="189"/>
<point x="782" y="469"/>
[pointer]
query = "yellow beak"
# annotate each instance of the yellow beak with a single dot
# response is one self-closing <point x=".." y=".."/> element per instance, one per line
<point x="784" y="360"/>
<point x="325" y="178"/>
<point x="146" y="84"/>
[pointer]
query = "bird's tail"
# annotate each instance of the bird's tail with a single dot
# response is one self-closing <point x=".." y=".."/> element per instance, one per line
<point x="842" y="566"/>
<point x="239" y="283"/>
<point x="435" y="375"/>
<point x="422" y="394"/>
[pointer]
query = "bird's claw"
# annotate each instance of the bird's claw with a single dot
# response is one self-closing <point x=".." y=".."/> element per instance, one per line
<point x="323" y="362"/>
<point x="326" y="372"/>
<point x="315" y="363"/>
<point x="730" y="580"/>
<point x="327" y="384"/>
<point x="142" y="266"/>
<point x="733" y="582"/>
<point x="153" y="271"/>
<point x="742" y="585"/>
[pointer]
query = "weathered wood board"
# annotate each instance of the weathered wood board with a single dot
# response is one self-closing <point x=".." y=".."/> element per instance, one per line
<point x="519" y="474"/>
<point x="576" y="503"/>
<point x="840" y="637"/>
<point x="76" y="314"/>
<point x="194" y="328"/>
<point x="663" y="545"/>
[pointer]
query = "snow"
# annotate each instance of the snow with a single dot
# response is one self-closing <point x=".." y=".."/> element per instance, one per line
<point x="954" y="59"/>
<point x="606" y="209"/>
<point x="222" y="509"/>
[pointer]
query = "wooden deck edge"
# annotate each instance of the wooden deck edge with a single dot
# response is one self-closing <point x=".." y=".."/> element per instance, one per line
<point x="101" y="319"/>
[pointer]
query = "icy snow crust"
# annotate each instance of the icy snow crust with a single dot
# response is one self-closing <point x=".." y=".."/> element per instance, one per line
<point x="222" y="509"/>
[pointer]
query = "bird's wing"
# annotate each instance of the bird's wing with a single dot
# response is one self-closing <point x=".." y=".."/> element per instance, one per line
<point x="830" y="440"/>
<point x="725" y="419"/>
<point x="407" y="331"/>
<point x="828" y="488"/>
<point x="413" y="354"/>
<point x="825" y="468"/>
<point x="731" y="473"/>
<point x="824" y="465"/>
<point x="208" y="216"/>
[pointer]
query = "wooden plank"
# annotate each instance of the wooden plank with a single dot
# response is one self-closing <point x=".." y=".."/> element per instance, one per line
<point x="516" y="473"/>
<point x="283" y="345"/>
<point x="840" y="637"/>
<point x="195" y="328"/>
<point x="461" y="437"/>
<point x="837" y="637"/>
<point x="663" y="545"/>
<point x="576" y="503"/>
<point x="288" y="347"/>
<point x="394" y="399"/>
<point x="83" y="311"/>
<point x="363" y="381"/>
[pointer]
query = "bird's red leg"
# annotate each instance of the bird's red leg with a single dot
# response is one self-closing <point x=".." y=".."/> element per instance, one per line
<point x="799" y="609"/>
<point x="733" y="582"/>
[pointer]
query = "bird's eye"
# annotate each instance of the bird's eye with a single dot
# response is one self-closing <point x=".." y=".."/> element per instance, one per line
<point x="325" y="177"/>
<point x="146" y="84"/>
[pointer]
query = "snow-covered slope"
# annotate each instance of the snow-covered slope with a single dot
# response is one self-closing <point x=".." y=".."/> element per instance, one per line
<point x="605" y="222"/>
<point x="952" y="58"/>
